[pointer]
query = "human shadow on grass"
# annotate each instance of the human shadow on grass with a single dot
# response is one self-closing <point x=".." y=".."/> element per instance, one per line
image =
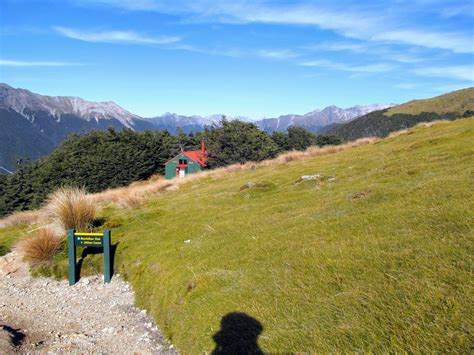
<point x="92" y="251"/>
<point x="238" y="335"/>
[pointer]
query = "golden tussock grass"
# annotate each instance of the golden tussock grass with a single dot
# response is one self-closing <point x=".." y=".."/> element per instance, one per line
<point x="430" y="124"/>
<point x="133" y="195"/>
<point x="132" y="200"/>
<point x="398" y="133"/>
<point x="17" y="218"/>
<point x="40" y="248"/>
<point x="316" y="151"/>
<point x="71" y="207"/>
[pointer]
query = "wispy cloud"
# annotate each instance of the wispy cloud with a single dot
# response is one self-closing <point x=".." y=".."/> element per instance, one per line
<point x="338" y="47"/>
<point x="277" y="54"/>
<point x="404" y="58"/>
<point x="361" y="69"/>
<point x="456" y="42"/>
<point x="129" y="37"/>
<point x="461" y="72"/>
<point x="22" y="63"/>
<point x="350" y="22"/>
<point x="217" y="51"/>
<point x="406" y="86"/>
<point x="381" y="51"/>
<point x="465" y="10"/>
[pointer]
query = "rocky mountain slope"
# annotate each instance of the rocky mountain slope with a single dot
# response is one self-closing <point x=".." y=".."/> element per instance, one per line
<point x="317" y="120"/>
<point x="195" y="123"/>
<point x="33" y="125"/>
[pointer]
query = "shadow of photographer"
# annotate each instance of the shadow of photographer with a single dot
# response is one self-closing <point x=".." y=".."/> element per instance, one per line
<point x="238" y="335"/>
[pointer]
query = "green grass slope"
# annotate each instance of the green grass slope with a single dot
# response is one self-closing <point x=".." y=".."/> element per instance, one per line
<point x="450" y="106"/>
<point x="376" y="255"/>
<point x="458" y="101"/>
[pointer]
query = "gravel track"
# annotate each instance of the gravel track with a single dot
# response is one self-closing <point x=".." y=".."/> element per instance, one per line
<point x="44" y="315"/>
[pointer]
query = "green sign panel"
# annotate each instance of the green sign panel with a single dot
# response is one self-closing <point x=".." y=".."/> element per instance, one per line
<point x="89" y="241"/>
<point x="82" y="239"/>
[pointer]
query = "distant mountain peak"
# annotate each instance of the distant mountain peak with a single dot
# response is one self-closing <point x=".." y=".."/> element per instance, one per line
<point x="316" y="120"/>
<point x="24" y="102"/>
<point x="33" y="125"/>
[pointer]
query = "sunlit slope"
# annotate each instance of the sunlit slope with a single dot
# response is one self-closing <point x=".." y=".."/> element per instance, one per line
<point x="378" y="258"/>
<point x="458" y="101"/>
<point x="374" y="255"/>
<point x="451" y="106"/>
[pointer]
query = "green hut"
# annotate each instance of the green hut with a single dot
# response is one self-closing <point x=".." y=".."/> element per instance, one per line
<point x="185" y="163"/>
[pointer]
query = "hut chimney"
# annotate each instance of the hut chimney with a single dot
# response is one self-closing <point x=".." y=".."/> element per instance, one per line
<point x="202" y="147"/>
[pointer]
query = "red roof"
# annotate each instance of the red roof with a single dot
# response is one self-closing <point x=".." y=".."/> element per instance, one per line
<point x="197" y="155"/>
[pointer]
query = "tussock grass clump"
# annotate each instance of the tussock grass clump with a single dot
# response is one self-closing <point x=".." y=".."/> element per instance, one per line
<point x="132" y="200"/>
<point x="18" y="218"/>
<point x="71" y="207"/>
<point x="39" y="249"/>
<point x="430" y="124"/>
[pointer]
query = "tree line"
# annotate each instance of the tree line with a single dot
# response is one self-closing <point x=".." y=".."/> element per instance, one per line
<point x="99" y="160"/>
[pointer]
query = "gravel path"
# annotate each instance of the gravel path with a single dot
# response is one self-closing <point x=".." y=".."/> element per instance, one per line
<point x="44" y="315"/>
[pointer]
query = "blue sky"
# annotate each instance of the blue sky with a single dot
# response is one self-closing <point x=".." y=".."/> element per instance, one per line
<point x="250" y="58"/>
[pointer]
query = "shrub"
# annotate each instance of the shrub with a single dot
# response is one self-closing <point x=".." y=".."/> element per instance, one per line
<point x="40" y="249"/>
<point x="71" y="207"/>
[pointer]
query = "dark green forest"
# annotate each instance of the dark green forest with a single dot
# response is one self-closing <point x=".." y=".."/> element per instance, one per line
<point x="376" y="124"/>
<point x="99" y="160"/>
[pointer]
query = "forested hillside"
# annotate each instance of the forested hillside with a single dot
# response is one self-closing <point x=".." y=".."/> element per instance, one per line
<point x="381" y="123"/>
<point x="100" y="160"/>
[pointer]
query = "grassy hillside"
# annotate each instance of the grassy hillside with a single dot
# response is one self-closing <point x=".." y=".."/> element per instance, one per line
<point x="450" y="106"/>
<point x="374" y="255"/>
<point x="457" y="101"/>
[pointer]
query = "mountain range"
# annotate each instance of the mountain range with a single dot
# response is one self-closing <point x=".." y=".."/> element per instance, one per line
<point x="33" y="125"/>
<point x="174" y="122"/>
<point x="316" y="121"/>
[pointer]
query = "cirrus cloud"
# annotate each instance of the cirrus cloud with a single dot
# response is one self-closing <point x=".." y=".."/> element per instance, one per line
<point x="29" y="63"/>
<point x="461" y="72"/>
<point x="361" y="69"/>
<point x="353" y="22"/>
<point x="129" y="37"/>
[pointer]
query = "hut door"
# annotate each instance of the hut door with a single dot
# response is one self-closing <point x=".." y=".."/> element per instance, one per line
<point x="181" y="172"/>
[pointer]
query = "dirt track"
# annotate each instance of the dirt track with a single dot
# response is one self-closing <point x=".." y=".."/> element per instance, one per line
<point x="41" y="315"/>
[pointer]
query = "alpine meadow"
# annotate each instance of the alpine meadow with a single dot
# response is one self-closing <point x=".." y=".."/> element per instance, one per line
<point x="235" y="177"/>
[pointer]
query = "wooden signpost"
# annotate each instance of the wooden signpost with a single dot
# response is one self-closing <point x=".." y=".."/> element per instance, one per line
<point x="97" y="240"/>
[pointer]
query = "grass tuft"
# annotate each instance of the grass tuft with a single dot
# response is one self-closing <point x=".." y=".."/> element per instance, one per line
<point x="39" y="249"/>
<point x="71" y="207"/>
<point x="132" y="200"/>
